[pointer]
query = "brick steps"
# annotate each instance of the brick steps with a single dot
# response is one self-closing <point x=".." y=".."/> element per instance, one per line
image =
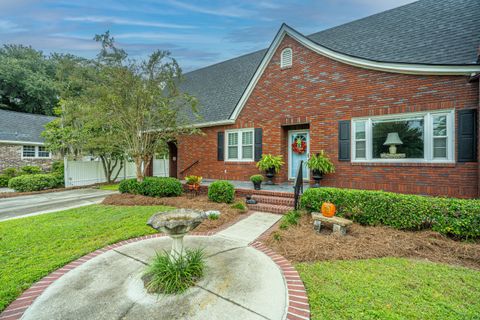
<point x="283" y="201"/>
<point x="273" y="208"/>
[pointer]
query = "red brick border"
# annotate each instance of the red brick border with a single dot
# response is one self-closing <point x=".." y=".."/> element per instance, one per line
<point x="298" y="308"/>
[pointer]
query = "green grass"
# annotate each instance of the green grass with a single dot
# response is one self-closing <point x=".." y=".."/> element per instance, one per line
<point x="111" y="187"/>
<point x="391" y="288"/>
<point x="32" y="247"/>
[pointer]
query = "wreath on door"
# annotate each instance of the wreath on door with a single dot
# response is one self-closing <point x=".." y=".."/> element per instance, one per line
<point x="299" y="145"/>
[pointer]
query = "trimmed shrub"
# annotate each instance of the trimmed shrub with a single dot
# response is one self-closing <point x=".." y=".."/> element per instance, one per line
<point x="4" y="180"/>
<point x="6" y="175"/>
<point x="33" y="182"/>
<point x="10" y="172"/>
<point x="459" y="218"/>
<point x="30" y="170"/>
<point x="221" y="191"/>
<point x="161" y="187"/>
<point x="129" y="186"/>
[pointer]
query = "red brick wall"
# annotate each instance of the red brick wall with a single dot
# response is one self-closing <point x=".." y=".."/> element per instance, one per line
<point x="320" y="91"/>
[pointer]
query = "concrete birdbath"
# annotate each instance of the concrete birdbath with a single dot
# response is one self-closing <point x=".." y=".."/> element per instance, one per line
<point x="176" y="224"/>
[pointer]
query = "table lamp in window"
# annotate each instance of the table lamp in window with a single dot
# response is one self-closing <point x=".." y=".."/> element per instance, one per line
<point x="393" y="140"/>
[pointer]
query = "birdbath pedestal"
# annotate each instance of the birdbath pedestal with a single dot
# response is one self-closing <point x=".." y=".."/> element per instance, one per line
<point x="176" y="224"/>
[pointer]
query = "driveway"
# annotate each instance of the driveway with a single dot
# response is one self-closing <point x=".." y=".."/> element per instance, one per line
<point x="22" y="206"/>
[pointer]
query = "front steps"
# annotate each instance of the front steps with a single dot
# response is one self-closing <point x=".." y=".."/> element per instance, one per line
<point x="275" y="202"/>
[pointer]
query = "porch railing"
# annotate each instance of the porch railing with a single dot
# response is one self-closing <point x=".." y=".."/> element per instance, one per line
<point x="189" y="167"/>
<point x="298" y="187"/>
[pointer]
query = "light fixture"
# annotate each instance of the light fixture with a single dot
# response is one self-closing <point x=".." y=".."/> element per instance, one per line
<point x="393" y="140"/>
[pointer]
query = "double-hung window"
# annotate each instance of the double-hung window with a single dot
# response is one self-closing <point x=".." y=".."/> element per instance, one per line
<point x="35" y="152"/>
<point x="409" y="137"/>
<point x="240" y="145"/>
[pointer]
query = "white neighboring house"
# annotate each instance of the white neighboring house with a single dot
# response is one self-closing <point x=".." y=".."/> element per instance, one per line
<point x="21" y="142"/>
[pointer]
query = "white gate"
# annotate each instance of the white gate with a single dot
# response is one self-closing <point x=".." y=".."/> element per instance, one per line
<point x="86" y="172"/>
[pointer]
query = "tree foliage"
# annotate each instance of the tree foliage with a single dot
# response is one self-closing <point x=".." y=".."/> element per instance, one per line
<point x="27" y="80"/>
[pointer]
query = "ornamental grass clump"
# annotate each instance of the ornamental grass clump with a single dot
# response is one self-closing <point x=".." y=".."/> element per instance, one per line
<point x="174" y="276"/>
<point x="291" y="218"/>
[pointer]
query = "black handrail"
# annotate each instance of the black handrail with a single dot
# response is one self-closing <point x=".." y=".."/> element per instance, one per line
<point x="298" y="187"/>
<point x="194" y="163"/>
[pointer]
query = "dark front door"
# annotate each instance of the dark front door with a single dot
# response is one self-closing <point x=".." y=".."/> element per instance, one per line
<point x="173" y="151"/>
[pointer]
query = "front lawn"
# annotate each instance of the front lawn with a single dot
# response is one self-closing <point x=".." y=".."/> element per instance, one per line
<point x="390" y="288"/>
<point x="109" y="187"/>
<point x="32" y="247"/>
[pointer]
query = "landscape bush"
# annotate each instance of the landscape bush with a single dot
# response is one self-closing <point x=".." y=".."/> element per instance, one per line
<point x="221" y="191"/>
<point x="4" y="180"/>
<point x="131" y="186"/>
<point x="59" y="171"/>
<point x="34" y="182"/>
<point x="161" y="187"/>
<point x="6" y="175"/>
<point x="152" y="187"/>
<point x="30" y="170"/>
<point x="459" y="218"/>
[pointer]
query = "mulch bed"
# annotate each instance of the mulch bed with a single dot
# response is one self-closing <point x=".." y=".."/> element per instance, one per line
<point x="228" y="215"/>
<point x="302" y="244"/>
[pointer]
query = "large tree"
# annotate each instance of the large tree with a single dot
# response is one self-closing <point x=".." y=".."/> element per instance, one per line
<point x="81" y="129"/>
<point x="134" y="106"/>
<point x="143" y="101"/>
<point x="27" y="80"/>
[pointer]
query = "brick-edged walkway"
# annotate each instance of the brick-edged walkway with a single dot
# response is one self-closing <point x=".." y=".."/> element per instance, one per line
<point x="297" y="304"/>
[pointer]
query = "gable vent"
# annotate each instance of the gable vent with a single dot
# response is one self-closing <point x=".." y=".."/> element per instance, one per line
<point x="286" y="58"/>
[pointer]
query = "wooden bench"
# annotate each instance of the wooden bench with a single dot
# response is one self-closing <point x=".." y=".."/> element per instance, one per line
<point x="340" y="225"/>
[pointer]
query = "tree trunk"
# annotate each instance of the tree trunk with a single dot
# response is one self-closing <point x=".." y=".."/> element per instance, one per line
<point x="119" y="169"/>
<point x="106" y="169"/>
<point x="138" y="164"/>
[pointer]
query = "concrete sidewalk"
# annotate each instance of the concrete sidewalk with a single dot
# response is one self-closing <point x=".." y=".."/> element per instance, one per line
<point x="22" y="206"/>
<point x="240" y="282"/>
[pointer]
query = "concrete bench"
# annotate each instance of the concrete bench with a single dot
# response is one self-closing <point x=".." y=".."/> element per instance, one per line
<point x="340" y="225"/>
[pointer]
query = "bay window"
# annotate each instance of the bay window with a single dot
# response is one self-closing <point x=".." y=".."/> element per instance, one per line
<point x="414" y="137"/>
<point x="240" y="145"/>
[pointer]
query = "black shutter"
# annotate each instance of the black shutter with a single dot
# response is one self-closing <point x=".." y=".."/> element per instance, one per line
<point x="258" y="143"/>
<point x="220" y="146"/>
<point x="467" y="135"/>
<point x="344" y="140"/>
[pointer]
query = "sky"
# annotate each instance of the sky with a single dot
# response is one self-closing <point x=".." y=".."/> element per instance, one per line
<point x="197" y="33"/>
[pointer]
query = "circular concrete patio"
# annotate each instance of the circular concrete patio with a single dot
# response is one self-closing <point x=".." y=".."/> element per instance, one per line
<point x="240" y="282"/>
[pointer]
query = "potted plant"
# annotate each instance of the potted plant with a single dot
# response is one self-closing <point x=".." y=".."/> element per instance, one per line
<point x="193" y="182"/>
<point x="271" y="165"/>
<point x="257" y="181"/>
<point x="320" y="164"/>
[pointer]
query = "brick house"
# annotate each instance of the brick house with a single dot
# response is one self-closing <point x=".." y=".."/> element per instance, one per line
<point x="410" y="73"/>
<point x="20" y="140"/>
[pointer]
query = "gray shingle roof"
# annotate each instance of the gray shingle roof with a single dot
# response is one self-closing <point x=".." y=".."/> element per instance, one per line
<point x="18" y="126"/>
<point x="442" y="32"/>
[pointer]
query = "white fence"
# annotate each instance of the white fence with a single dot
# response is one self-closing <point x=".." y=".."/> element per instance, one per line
<point x="85" y="172"/>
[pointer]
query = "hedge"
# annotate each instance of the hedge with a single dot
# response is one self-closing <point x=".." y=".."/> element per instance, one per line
<point x="4" y="180"/>
<point x="459" y="218"/>
<point x="161" y="187"/>
<point x="152" y="187"/>
<point x="221" y="191"/>
<point x="34" y="182"/>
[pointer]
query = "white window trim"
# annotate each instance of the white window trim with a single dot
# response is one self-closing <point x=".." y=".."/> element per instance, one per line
<point x="240" y="145"/>
<point x="36" y="147"/>
<point x="283" y="63"/>
<point x="428" y="137"/>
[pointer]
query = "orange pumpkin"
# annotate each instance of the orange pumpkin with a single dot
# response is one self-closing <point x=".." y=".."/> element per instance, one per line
<point x="328" y="209"/>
